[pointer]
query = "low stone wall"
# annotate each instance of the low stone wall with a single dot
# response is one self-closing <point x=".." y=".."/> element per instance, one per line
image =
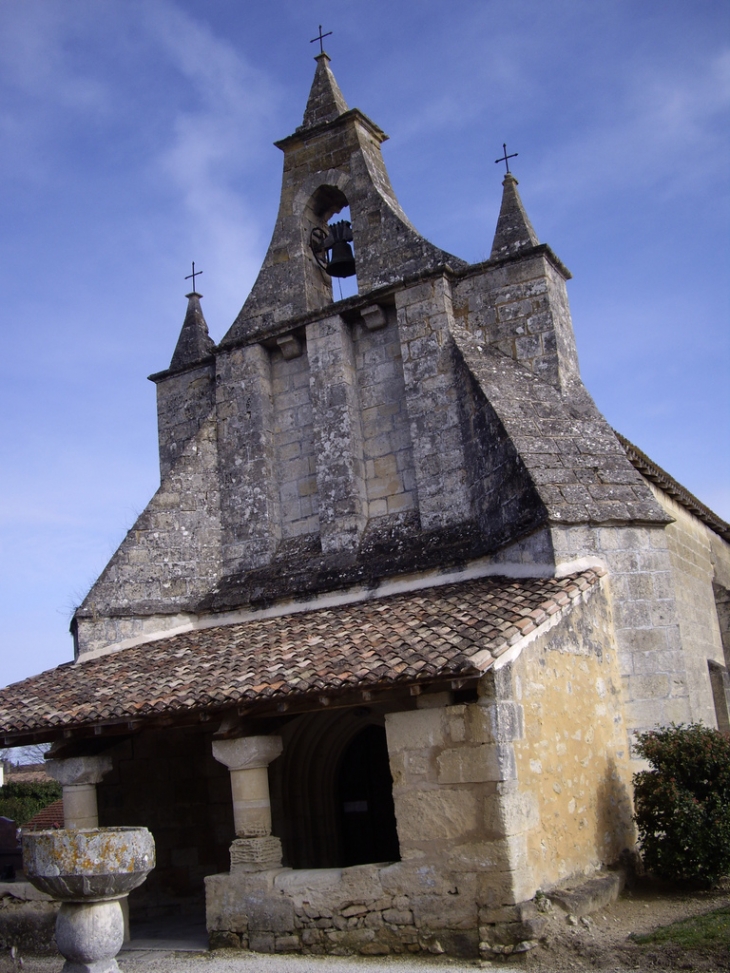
<point x="27" y="919"/>
<point x="367" y="909"/>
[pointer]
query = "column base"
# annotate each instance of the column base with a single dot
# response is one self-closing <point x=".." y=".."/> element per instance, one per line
<point x="255" y="854"/>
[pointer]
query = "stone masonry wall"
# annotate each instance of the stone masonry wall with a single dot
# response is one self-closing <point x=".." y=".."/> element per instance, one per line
<point x="387" y="448"/>
<point x="250" y="512"/>
<point x="184" y="400"/>
<point x="296" y="473"/>
<point x="689" y="542"/>
<point x="520" y="307"/>
<point x="424" y="319"/>
<point x="337" y="435"/>
<point x="646" y="623"/>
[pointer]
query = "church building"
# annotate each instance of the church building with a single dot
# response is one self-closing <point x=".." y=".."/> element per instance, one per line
<point x="369" y="663"/>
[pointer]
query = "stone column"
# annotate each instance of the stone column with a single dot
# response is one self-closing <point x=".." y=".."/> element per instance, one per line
<point x="79" y="777"/>
<point x="255" y="848"/>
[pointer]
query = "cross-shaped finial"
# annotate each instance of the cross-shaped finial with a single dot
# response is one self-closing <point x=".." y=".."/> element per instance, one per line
<point x="320" y="38"/>
<point x="195" y="273"/>
<point x="505" y="156"/>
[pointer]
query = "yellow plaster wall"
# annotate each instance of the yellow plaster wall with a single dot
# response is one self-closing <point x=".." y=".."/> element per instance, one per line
<point x="573" y="758"/>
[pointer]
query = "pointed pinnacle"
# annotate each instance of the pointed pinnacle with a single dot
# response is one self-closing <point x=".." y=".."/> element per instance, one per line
<point x="514" y="230"/>
<point x="326" y="102"/>
<point x="194" y="342"/>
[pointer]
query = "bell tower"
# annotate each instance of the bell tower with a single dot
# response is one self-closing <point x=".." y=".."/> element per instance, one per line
<point x="331" y="161"/>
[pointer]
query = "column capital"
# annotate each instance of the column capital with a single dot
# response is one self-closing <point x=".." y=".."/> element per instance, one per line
<point x="79" y="770"/>
<point x="246" y="753"/>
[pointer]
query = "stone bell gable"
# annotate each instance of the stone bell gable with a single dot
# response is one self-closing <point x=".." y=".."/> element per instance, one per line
<point x="436" y="418"/>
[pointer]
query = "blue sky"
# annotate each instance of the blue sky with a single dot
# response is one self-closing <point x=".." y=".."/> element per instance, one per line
<point x="137" y="136"/>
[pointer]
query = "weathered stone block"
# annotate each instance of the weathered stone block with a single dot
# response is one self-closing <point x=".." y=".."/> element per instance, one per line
<point x="434" y="814"/>
<point x="433" y="912"/>
<point x="496" y="722"/>
<point x="487" y="762"/>
<point x="503" y="854"/>
<point x="398" y="917"/>
<point x="269" y="914"/>
<point x="414" y="730"/>
<point x="261" y="942"/>
<point x="510" y="814"/>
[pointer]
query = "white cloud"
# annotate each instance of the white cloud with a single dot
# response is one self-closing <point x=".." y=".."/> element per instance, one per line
<point x="664" y="128"/>
<point x="213" y="145"/>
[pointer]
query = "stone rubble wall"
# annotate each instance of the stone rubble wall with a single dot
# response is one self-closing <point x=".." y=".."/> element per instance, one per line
<point x="366" y="909"/>
<point x="27" y="919"/>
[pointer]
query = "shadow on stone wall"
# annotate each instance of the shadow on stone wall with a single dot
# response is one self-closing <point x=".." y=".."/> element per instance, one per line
<point x="615" y="831"/>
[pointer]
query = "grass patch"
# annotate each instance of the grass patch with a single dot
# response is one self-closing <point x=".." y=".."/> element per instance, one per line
<point x="705" y="931"/>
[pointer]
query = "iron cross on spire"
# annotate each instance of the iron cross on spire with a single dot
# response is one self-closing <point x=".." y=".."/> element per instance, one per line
<point x="320" y="38"/>
<point x="505" y="157"/>
<point x="195" y="273"/>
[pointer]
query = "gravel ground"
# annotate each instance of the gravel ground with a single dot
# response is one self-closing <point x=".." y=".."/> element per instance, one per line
<point x="232" y="961"/>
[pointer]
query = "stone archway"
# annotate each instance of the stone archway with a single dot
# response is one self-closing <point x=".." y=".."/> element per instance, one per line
<point x="331" y="760"/>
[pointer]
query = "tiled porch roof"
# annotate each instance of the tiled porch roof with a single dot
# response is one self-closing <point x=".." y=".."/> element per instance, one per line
<point x="449" y="631"/>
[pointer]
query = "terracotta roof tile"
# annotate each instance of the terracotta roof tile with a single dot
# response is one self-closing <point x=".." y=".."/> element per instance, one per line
<point x="397" y="640"/>
<point x="47" y="818"/>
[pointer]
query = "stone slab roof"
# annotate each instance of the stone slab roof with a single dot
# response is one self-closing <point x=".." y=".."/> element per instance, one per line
<point x="648" y="468"/>
<point x="449" y="631"/>
<point x="579" y="468"/>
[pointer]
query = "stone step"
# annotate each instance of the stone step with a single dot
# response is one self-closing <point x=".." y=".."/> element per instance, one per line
<point x="596" y="893"/>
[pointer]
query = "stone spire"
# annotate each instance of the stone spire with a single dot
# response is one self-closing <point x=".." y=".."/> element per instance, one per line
<point x="194" y="342"/>
<point x="326" y="102"/>
<point x="514" y="230"/>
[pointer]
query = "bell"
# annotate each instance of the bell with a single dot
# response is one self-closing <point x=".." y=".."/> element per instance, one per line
<point x="342" y="260"/>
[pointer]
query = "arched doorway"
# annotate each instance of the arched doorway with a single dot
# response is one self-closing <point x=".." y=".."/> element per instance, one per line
<point x="365" y="792"/>
<point x="331" y="788"/>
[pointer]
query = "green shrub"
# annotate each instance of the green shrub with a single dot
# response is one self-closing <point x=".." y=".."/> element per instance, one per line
<point x="683" y="803"/>
<point x="21" y="801"/>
